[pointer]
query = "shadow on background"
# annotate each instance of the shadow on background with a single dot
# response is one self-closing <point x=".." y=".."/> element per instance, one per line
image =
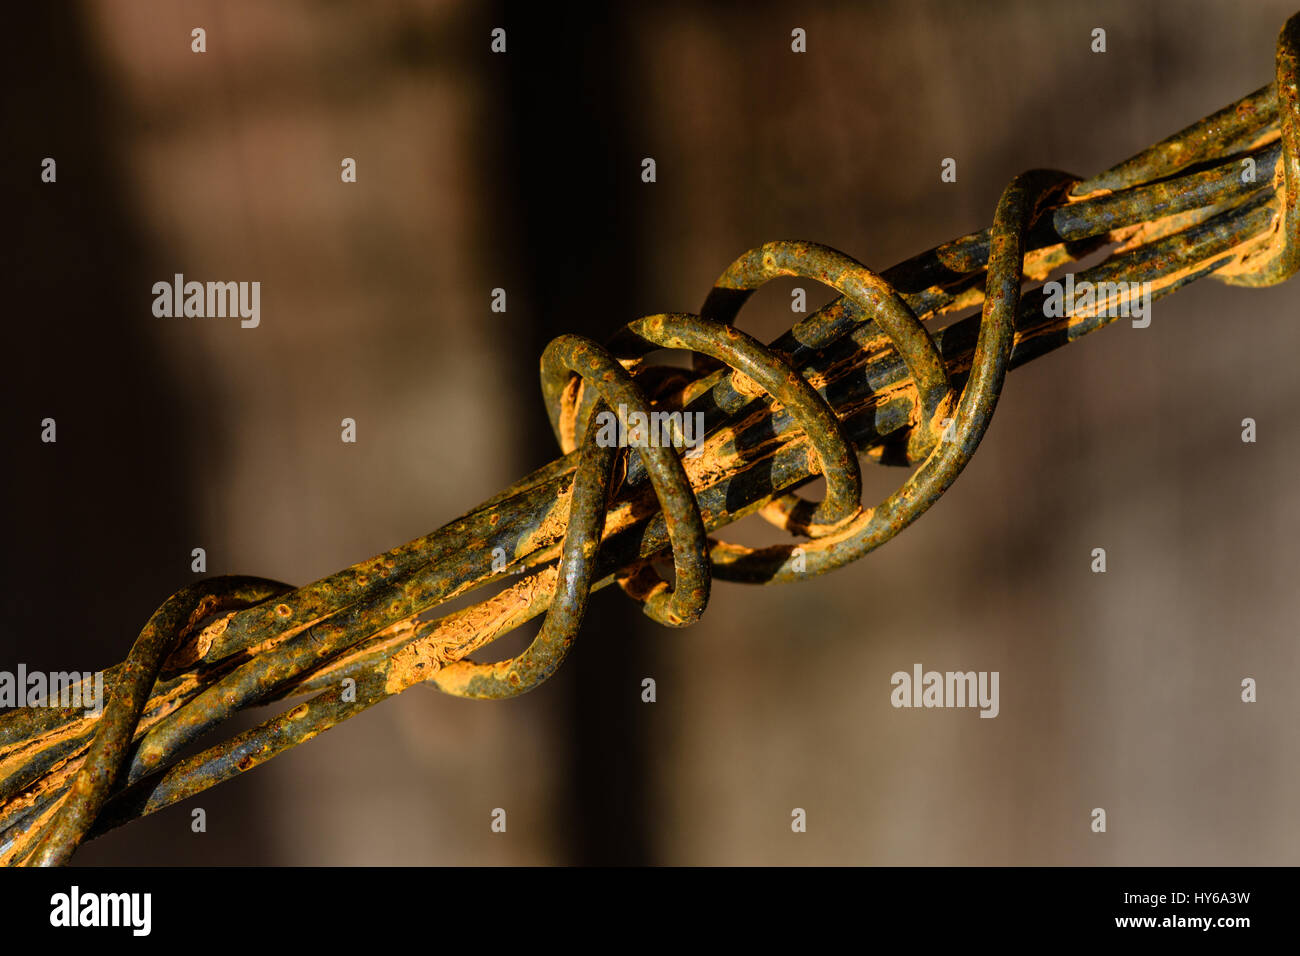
<point x="572" y="214"/>
<point x="99" y="524"/>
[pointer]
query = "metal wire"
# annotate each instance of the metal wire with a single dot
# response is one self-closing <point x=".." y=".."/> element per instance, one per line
<point x="862" y="375"/>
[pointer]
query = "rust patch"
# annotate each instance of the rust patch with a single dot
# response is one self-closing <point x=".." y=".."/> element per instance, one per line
<point x="461" y="633"/>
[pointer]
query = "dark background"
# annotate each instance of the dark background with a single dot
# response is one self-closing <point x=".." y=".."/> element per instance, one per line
<point x="523" y="171"/>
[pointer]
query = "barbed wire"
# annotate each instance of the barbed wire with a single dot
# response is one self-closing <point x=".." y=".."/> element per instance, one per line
<point x="862" y="375"/>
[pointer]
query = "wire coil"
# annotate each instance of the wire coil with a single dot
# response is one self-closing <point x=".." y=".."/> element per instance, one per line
<point x="948" y="431"/>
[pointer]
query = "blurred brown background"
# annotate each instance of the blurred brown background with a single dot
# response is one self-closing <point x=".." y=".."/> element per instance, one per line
<point x="523" y="171"/>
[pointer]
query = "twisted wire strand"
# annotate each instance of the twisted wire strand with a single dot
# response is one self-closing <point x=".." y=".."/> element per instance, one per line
<point x="1177" y="212"/>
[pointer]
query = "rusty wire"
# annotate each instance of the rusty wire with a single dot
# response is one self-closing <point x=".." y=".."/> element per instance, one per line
<point x="863" y="375"/>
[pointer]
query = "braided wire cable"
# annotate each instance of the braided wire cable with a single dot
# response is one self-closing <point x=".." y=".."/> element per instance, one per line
<point x="862" y="375"/>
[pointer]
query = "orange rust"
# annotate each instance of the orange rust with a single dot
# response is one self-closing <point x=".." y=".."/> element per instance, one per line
<point x="549" y="531"/>
<point x="1264" y="246"/>
<point x="29" y="834"/>
<point x="1082" y="197"/>
<point x="391" y="636"/>
<point x="744" y="385"/>
<point x="1039" y="264"/>
<point x="262" y="647"/>
<point x="16" y="757"/>
<point x="191" y="651"/>
<point x="462" y="632"/>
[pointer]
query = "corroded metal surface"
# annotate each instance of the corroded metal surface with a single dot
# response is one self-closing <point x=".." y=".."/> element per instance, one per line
<point x="863" y="375"/>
